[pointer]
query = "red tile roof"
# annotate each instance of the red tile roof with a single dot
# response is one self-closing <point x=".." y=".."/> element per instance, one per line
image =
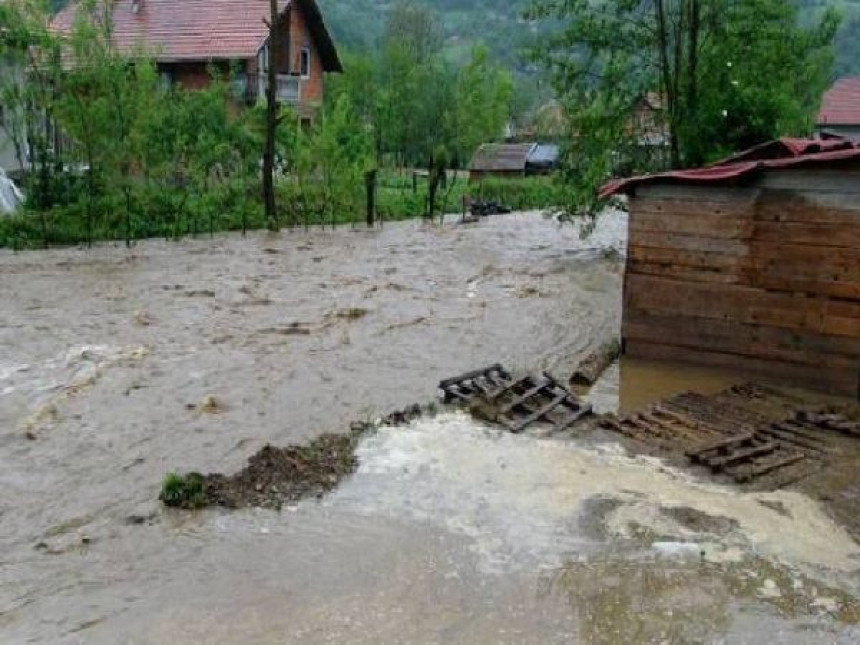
<point x="195" y="30"/>
<point x="782" y="153"/>
<point x="841" y="103"/>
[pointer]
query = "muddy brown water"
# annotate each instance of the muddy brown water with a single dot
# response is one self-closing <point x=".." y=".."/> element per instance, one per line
<point x="124" y="365"/>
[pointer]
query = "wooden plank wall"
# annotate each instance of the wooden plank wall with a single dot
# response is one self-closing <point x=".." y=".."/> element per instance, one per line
<point x="762" y="277"/>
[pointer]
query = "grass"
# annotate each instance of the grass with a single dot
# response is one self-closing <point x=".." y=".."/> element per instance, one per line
<point x="184" y="491"/>
<point x="236" y="208"/>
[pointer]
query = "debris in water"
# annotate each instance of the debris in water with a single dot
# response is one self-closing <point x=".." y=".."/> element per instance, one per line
<point x="200" y="293"/>
<point x="353" y="313"/>
<point x="493" y="395"/>
<point x="724" y="434"/>
<point x="143" y="319"/>
<point x="595" y="364"/>
<point x="210" y="405"/>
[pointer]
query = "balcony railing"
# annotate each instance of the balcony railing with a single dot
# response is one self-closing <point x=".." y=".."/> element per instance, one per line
<point x="288" y="88"/>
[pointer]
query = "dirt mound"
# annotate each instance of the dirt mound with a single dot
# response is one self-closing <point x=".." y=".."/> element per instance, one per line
<point x="278" y="476"/>
<point x="272" y="478"/>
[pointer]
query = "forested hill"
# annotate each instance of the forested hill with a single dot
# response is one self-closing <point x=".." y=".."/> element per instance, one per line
<point x="357" y="24"/>
<point x="848" y="38"/>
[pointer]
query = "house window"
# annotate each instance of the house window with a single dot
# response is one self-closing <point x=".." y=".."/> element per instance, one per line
<point x="263" y="61"/>
<point x="305" y="62"/>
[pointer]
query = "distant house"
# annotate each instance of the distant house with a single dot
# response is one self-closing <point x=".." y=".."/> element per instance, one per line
<point x="512" y="160"/>
<point x="840" y="109"/>
<point x="189" y="37"/>
<point x="750" y="264"/>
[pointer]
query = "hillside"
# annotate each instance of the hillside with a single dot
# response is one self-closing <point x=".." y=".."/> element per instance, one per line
<point x="357" y="24"/>
<point x="848" y="38"/>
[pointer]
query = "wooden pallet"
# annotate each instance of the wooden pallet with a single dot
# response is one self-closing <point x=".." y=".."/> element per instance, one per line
<point x="733" y="440"/>
<point x="475" y="383"/>
<point x="746" y="457"/>
<point x="516" y="404"/>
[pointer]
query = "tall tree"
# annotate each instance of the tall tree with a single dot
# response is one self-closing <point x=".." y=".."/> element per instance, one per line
<point x="415" y="29"/>
<point x="276" y="31"/>
<point x="720" y="75"/>
<point x="28" y="93"/>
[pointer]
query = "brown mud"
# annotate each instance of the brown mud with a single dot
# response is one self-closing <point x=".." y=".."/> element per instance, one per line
<point x="275" y="477"/>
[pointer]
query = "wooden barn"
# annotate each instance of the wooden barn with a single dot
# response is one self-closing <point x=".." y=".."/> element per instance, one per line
<point x="752" y="263"/>
<point x="513" y="160"/>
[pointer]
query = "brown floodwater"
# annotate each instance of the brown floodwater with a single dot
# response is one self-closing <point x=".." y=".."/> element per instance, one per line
<point x="119" y="366"/>
<point x="630" y="384"/>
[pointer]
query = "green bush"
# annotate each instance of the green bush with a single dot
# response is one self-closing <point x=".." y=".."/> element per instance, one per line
<point x="184" y="491"/>
<point x="528" y="193"/>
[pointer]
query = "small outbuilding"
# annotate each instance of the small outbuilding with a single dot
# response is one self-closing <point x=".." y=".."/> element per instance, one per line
<point x="513" y="160"/>
<point x="840" y="110"/>
<point x="752" y="263"/>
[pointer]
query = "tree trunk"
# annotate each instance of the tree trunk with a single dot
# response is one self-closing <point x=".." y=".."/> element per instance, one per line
<point x="370" y="185"/>
<point x="666" y="78"/>
<point x="271" y="121"/>
<point x="692" y="89"/>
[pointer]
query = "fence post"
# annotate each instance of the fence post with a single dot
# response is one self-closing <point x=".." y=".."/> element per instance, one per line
<point x="370" y="187"/>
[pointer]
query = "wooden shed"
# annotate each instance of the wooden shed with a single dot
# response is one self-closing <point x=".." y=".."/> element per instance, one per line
<point x="753" y="264"/>
<point x="513" y="160"/>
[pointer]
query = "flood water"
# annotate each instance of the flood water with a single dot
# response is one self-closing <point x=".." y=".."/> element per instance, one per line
<point x="119" y="366"/>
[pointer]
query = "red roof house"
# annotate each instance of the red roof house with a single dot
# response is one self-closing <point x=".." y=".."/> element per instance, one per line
<point x="187" y="37"/>
<point x="840" y="109"/>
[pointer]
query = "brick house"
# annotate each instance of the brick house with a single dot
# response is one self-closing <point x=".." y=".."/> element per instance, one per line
<point x="187" y="38"/>
<point x="840" y="110"/>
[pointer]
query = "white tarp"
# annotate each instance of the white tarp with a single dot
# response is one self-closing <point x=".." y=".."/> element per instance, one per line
<point x="10" y="196"/>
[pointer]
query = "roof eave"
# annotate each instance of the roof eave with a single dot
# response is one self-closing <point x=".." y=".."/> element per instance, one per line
<point x="322" y="37"/>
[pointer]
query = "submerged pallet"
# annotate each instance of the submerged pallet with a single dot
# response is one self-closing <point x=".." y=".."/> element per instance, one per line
<point x="516" y="404"/>
<point x="728" y="438"/>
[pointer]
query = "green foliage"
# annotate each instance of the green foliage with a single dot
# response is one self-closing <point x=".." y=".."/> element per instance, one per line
<point x="414" y="102"/>
<point x="184" y="491"/>
<point x="461" y="26"/>
<point x="530" y="193"/>
<point x="124" y="157"/>
<point x="325" y="178"/>
<point x="127" y="158"/>
<point x="720" y="75"/>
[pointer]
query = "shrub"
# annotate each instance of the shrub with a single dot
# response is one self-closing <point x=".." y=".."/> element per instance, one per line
<point x="188" y="491"/>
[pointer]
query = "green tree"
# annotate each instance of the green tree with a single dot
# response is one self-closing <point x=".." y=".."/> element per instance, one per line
<point x="726" y="74"/>
<point x="483" y="103"/>
<point x="31" y="55"/>
<point x="415" y="29"/>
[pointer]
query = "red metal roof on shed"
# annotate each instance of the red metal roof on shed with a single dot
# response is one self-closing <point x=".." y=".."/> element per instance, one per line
<point x="841" y="103"/>
<point x="782" y="153"/>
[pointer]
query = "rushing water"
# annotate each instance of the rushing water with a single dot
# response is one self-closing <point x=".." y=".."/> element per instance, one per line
<point x="450" y="532"/>
<point x="10" y="196"/>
